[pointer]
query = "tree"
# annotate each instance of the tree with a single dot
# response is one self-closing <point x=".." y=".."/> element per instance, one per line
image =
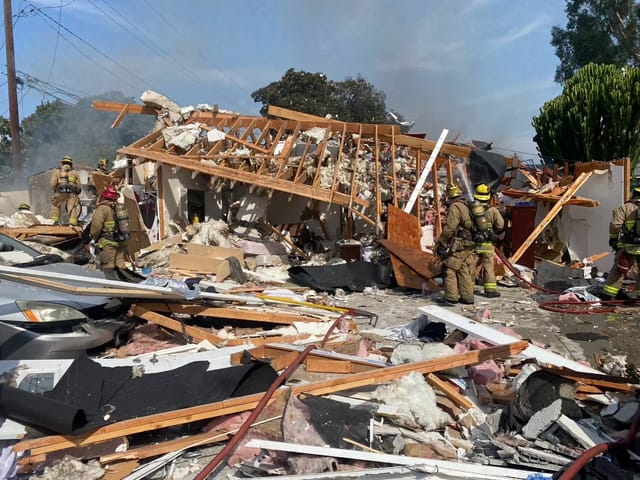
<point x="597" y="31"/>
<point x="352" y="100"/>
<point x="57" y="129"/>
<point x="595" y="118"/>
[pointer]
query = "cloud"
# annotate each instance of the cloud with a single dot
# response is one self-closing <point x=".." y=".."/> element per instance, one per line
<point x="521" y="32"/>
<point x="514" y="91"/>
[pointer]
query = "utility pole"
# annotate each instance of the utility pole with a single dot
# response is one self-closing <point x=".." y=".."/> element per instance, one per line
<point x="12" y="84"/>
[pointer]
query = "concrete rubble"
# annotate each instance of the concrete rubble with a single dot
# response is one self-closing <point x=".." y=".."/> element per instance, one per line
<point x="264" y="256"/>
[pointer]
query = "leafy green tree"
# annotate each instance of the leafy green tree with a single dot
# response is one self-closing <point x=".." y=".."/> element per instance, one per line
<point x="307" y="92"/>
<point x="352" y="100"/>
<point x="595" y="118"/>
<point x="57" y="129"/>
<point x="597" y="31"/>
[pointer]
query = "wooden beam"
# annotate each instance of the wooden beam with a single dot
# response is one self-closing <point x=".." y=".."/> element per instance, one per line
<point x="449" y="390"/>
<point x="230" y="173"/>
<point x="55" y="443"/>
<point x="253" y="315"/>
<point x="626" y="175"/>
<point x="120" y="116"/>
<point x="120" y="107"/>
<point x="582" y="178"/>
<point x="368" y="129"/>
<point x="197" y="334"/>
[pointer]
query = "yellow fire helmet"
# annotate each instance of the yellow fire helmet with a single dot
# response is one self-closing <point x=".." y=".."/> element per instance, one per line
<point x="24" y="206"/>
<point x="482" y="193"/>
<point x="67" y="159"/>
<point x="453" y="190"/>
<point x="102" y="161"/>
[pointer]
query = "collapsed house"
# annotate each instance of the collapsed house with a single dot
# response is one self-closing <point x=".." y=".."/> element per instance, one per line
<point x="289" y="379"/>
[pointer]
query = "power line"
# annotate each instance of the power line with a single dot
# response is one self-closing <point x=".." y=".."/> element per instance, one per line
<point x="151" y="44"/>
<point x="98" y="51"/>
<point x="180" y="34"/>
<point x="87" y="57"/>
<point x="55" y="49"/>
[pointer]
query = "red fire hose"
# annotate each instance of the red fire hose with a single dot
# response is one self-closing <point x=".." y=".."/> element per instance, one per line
<point x="231" y="445"/>
<point x="599" y="306"/>
<point x="587" y="455"/>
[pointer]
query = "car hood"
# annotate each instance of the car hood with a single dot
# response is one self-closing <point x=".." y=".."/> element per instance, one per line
<point x="10" y="290"/>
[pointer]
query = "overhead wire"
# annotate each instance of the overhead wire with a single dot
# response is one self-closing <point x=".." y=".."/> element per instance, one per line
<point x="91" y="46"/>
<point x="87" y="57"/>
<point x="55" y="48"/>
<point x="147" y="41"/>
<point x="166" y="21"/>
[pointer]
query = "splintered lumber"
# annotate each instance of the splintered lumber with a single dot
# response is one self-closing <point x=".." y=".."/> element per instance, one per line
<point x="246" y="314"/>
<point x="605" y="382"/>
<point x="441" y="467"/>
<point x="582" y="178"/>
<point x="197" y="334"/>
<point x="55" y="443"/>
<point x="495" y="337"/>
<point x="449" y="390"/>
<point x="318" y="361"/>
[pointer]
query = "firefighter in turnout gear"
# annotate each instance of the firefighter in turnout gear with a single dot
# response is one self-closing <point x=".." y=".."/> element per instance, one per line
<point x="66" y="187"/>
<point x="110" y="232"/>
<point x="624" y="238"/>
<point x="486" y="232"/>
<point x="103" y="169"/>
<point x="456" y="248"/>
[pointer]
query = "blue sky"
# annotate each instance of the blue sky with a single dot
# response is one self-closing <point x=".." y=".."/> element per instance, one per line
<point x="480" y="68"/>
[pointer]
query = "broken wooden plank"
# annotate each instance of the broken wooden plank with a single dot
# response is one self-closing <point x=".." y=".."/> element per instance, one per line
<point x="246" y="314"/>
<point x="597" y="379"/>
<point x="449" y="390"/>
<point x="582" y="178"/>
<point x="197" y="334"/>
<point x="230" y="173"/>
<point x="233" y="405"/>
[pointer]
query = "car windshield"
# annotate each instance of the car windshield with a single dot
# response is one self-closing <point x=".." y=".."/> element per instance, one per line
<point x="15" y="253"/>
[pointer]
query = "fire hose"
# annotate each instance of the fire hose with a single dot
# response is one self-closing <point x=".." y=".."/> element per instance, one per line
<point x="231" y="445"/>
<point x="573" y="469"/>
<point x="566" y="306"/>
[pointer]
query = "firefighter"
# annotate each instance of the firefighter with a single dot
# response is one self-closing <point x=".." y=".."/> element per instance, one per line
<point x="486" y="237"/>
<point x="456" y="248"/>
<point x="624" y="239"/>
<point x="110" y="232"/>
<point x="66" y="187"/>
<point x="102" y="169"/>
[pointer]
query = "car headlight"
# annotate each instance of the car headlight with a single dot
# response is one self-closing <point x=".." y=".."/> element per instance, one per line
<point x="49" y="312"/>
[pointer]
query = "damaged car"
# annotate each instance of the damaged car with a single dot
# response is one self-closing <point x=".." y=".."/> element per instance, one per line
<point x="37" y="322"/>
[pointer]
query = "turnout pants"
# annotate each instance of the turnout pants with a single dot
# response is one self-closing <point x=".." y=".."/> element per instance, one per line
<point x="459" y="277"/>
<point x="615" y="278"/>
<point x="113" y="256"/>
<point x="489" y="281"/>
<point x="71" y="202"/>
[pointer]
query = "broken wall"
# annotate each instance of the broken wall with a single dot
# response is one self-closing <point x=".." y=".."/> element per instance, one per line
<point x="585" y="230"/>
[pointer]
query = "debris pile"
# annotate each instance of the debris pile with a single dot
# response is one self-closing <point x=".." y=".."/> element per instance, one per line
<point x="238" y="349"/>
